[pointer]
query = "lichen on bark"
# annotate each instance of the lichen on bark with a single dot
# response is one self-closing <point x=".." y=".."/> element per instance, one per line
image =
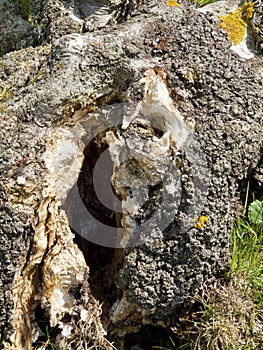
<point x="235" y="23"/>
<point x="60" y="91"/>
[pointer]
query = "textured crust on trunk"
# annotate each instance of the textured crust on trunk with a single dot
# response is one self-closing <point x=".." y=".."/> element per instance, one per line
<point x="50" y="96"/>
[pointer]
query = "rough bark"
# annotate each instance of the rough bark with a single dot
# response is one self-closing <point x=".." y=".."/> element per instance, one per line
<point x="96" y="66"/>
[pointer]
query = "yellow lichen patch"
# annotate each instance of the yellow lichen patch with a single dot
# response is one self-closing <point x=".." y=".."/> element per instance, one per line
<point x="248" y="10"/>
<point x="95" y="43"/>
<point x="235" y="23"/>
<point x="172" y="3"/>
<point x="201" y="222"/>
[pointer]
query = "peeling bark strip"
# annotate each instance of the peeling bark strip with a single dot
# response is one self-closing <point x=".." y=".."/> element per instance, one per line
<point x="52" y="279"/>
<point x="158" y="89"/>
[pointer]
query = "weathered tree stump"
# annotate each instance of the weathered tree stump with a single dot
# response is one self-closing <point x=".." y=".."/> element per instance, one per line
<point x="149" y="98"/>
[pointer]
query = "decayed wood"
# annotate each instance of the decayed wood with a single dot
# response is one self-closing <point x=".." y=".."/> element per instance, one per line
<point x="170" y="61"/>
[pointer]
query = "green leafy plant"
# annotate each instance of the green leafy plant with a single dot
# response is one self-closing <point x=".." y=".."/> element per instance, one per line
<point x="255" y="211"/>
<point x="247" y="254"/>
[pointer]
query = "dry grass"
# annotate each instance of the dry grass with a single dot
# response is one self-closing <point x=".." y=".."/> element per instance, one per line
<point x="88" y="334"/>
<point x="229" y="319"/>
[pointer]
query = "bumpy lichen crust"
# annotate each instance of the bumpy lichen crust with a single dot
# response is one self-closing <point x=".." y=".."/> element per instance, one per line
<point x="228" y="126"/>
<point x="235" y="23"/>
<point x="257" y="24"/>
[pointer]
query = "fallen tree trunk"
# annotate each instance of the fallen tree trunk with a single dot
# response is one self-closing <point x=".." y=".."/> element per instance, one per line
<point x="128" y="136"/>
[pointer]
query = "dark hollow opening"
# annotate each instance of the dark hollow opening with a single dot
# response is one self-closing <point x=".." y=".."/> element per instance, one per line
<point x="86" y="188"/>
<point x="47" y="332"/>
<point x="151" y="337"/>
<point x="102" y="261"/>
<point x="255" y="187"/>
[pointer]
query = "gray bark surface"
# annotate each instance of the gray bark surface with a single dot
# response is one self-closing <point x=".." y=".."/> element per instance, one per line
<point x="87" y="58"/>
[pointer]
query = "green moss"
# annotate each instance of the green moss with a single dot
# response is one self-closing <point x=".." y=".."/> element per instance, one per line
<point x="5" y="93"/>
<point x="2" y="110"/>
<point x="25" y="8"/>
<point x="37" y="77"/>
